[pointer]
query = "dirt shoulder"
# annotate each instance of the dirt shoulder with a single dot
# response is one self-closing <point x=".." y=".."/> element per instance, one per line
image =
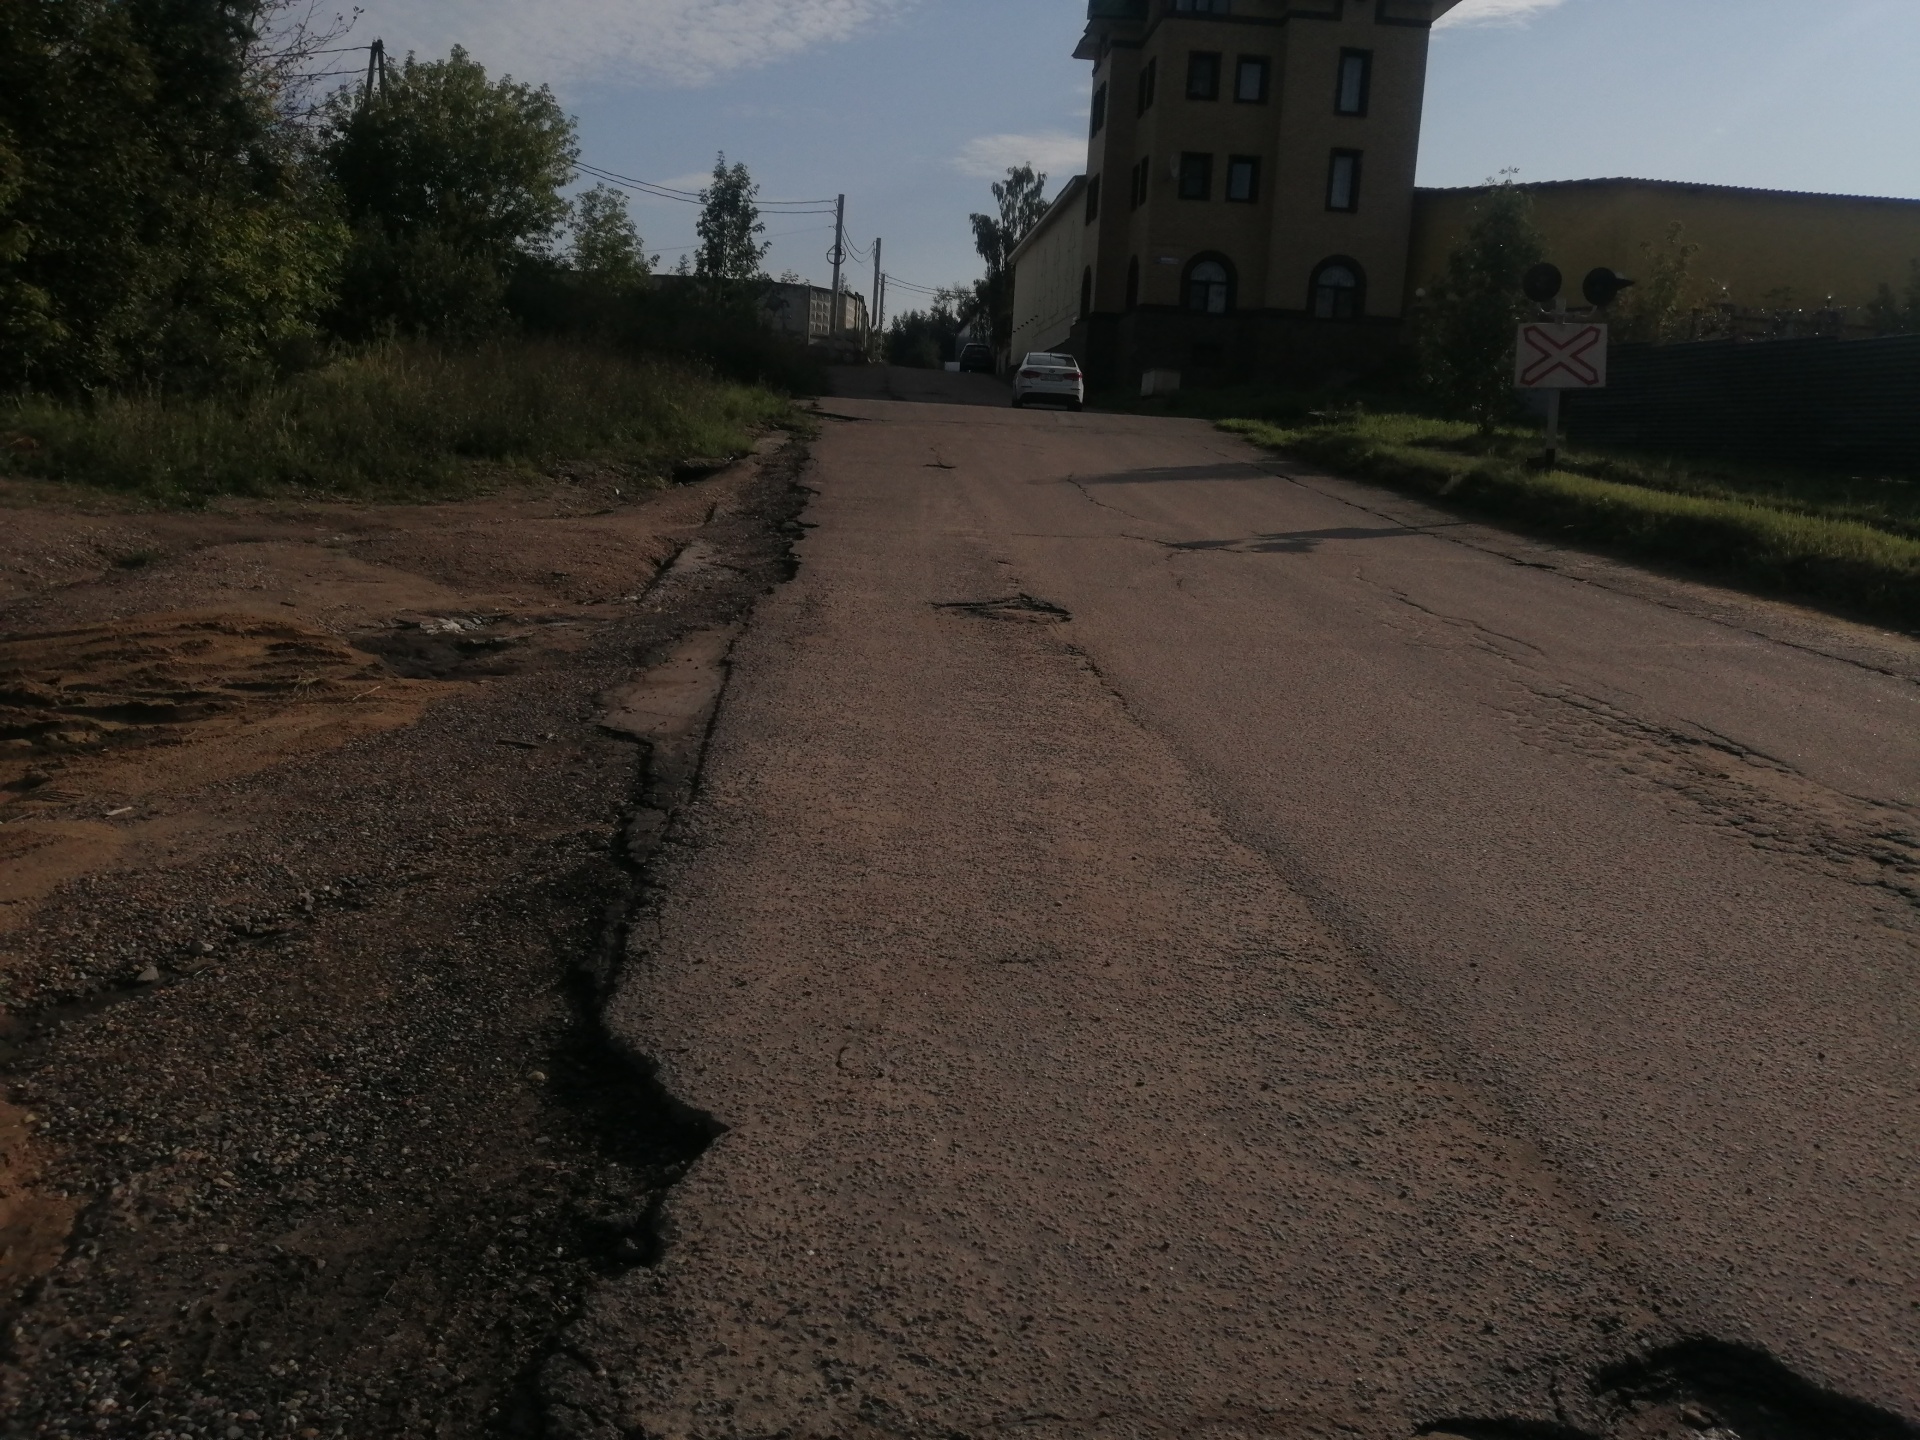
<point x="313" y="841"/>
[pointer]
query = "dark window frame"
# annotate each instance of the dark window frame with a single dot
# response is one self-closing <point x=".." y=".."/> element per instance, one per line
<point x="1252" y="197"/>
<point x="1142" y="180"/>
<point x="1148" y="86"/>
<point x="1093" y="198"/>
<point x="1265" y="62"/>
<point x="1365" y="57"/>
<point x="1358" y="290"/>
<point x="1358" y="158"/>
<point x="1201" y="63"/>
<point x="1133" y="283"/>
<point x="1196" y="163"/>
<point x="1099" y="120"/>
<point x="1086" y="292"/>
<point x="1187" y="282"/>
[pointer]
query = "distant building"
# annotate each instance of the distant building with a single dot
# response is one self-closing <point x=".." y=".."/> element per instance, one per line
<point x="1249" y="202"/>
<point x="1766" y="247"/>
<point x="807" y="312"/>
<point x="1248" y="198"/>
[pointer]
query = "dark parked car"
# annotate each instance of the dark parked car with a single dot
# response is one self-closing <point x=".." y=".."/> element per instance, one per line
<point x="976" y="359"/>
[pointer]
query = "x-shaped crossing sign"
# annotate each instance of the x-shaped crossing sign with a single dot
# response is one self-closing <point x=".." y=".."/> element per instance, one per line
<point x="1562" y="357"/>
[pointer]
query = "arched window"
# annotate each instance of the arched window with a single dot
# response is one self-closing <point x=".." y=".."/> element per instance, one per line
<point x="1086" y="292"/>
<point x="1339" y="290"/>
<point x="1209" y="287"/>
<point x="1133" y="283"/>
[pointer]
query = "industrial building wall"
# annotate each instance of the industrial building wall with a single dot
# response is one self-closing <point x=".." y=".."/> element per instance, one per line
<point x="1757" y="243"/>
<point x="1047" y="272"/>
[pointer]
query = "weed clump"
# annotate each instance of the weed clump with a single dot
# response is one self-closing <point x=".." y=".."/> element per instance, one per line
<point x="399" y="420"/>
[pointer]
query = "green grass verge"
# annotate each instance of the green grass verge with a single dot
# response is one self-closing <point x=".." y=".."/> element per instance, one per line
<point x="398" y="421"/>
<point x="1852" y="542"/>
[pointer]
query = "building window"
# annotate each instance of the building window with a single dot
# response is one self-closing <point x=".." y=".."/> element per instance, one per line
<point x="1210" y="285"/>
<point x="1250" y="79"/>
<point x="1338" y="290"/>
<point x="1243" y="178"/>
<point x="1343" y="181"/>
<point x="1099" y="111"/>
<point x="1356" y="82"/>
<point x="1142" y="177"/>
<point x="1093" y="199"/>
<point x="1203" y="75"/>
<point x="1133" y="283"/>
<point x="1086" y="292"/>
<point x="1198" y="7"/>
<point x="1149" y="81"/>
<point x="1196" y="176"/>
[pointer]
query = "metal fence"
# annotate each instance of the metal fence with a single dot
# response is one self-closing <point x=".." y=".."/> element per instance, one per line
<point x="1838" y="403"/>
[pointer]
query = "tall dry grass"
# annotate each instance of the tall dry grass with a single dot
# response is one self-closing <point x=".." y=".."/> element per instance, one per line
<point x="404" y="419"/>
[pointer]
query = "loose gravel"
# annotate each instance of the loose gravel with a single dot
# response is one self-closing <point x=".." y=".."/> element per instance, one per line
<point x="331" y="1097"/>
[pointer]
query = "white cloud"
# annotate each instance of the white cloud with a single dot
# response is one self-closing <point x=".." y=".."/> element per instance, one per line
<point x="1056" y="153"/>
<point x="1495" y="12"/>
<point x="659" y="41"/>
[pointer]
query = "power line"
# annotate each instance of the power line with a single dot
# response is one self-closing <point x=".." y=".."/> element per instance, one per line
<point x="694" y="197"/>
<point x="895" y="282"/>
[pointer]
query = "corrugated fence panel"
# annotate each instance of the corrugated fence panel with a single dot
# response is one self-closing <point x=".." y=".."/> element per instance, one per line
<point x="1820" y="402"/>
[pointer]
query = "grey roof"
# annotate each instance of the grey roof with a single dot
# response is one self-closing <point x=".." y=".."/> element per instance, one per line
<point x="1689" y="186"/>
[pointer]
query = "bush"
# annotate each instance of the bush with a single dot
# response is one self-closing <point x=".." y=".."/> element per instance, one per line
<point x="401" y="419"/>
<point x="716" y="324"/>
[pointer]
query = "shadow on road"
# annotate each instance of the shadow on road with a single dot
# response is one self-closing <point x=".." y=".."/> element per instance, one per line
<point x="1298" y="542"/>
<point x="1167" y="474"/>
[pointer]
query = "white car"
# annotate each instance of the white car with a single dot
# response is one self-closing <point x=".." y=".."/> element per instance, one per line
<point x="1050" y="377"/>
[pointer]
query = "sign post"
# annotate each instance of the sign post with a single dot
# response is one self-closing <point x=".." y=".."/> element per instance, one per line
<point x="1556" y="357"/>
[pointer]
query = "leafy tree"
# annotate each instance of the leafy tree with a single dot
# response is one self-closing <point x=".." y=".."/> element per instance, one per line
<point x="1892" y="314"/>
<point x="1475" y="311"/>
<point x="928" y="338"/>
<point x="729" y="226"/>
<point x="157" y="223"/>
<point x="606" y="244"/>
<point x="450" y="180"/>
<point x="1660" y="307"/>
<point x="1021" y="201"/>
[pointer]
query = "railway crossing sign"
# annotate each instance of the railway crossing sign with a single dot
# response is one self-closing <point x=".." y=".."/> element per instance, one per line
<point x="1561" y="357"/>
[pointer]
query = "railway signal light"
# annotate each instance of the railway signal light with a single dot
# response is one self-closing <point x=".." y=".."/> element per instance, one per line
<point x="1603" y="287"/>
<point x="1542" y="284"/>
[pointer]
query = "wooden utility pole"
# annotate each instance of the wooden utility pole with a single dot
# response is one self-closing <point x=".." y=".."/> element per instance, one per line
<point x="376" y="68"/>
<point x="874" y="318"/>
<point x="839" y="258"/>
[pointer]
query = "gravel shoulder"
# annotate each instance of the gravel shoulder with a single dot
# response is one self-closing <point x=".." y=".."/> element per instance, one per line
<point x="320" y="850"/>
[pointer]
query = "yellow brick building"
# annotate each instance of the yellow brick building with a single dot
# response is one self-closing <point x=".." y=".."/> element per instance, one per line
<point x="1765" y="247"/>
<point x="1248" y="199"/>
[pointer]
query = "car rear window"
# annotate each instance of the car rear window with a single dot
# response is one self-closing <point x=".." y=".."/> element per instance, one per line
<point x="1060" y="362"/>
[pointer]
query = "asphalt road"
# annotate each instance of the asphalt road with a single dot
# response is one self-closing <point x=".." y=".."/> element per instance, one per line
<point x="1186" y="945"/>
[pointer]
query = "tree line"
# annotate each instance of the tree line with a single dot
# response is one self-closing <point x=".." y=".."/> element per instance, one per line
<point x="178" y="211"/>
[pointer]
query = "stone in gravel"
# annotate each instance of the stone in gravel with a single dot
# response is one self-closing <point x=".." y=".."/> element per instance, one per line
<point x="150" y="975"/>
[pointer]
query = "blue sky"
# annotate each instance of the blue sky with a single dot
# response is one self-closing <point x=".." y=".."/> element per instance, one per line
<point x="911" y="106"/>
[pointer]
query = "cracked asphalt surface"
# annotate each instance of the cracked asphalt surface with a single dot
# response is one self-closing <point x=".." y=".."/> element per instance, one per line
<point x="1183" y="944"/>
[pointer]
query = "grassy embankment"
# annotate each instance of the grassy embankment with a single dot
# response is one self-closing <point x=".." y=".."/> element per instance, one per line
<point x="1849" y="541"/>
<point x="401" y="421"/>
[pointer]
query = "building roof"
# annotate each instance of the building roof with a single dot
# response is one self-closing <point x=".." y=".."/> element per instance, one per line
<point x="1689" y="186"/>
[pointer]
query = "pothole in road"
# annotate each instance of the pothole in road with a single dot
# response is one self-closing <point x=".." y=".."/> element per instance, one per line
<point x="1014" y="607"/>
<point x="1701" y="1390"/>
